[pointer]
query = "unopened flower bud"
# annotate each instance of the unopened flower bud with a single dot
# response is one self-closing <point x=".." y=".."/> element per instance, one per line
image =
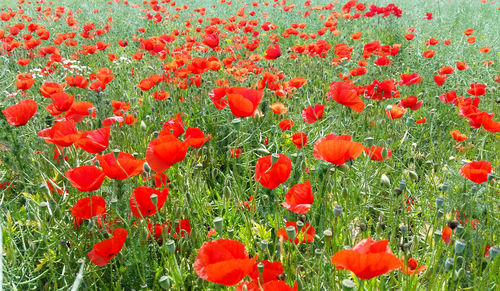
<point x="384" y="180"/>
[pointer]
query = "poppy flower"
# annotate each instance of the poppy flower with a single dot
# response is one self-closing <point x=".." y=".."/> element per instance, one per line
<point x="477" y="89"/>
<point x="157" y="229"/>
<point x="411" y="268"/>
<point x="457" y="135"/>
<point x="429" y="54"/>
<point x="49" y="88"/>
<point x="183" y="228"/>
<point x="85" y="178"/>
<point x="165" y="151"/>
<point x="313" y="113"/>
<point x="299" y="139"/>
<point x="375" y="153"/>
<point x="243" y="101"/>
<point x="367" y="259"/>
<point x="271" y="174"/>
<point x="279" y="108"/>
<point x="102" y="252"/>
<point x="195" y="137"/>
<point x="122" y="167"/>
<point x="346" y="94"/>
<point x="446" y="234"/>
<point x="211" y="40"/>
<point x="236" y="152"/>
<point x="63" y="133"/>
<point x="173" y="126"/>
<point x="88" y="207"/>
<point x="286" y="124"/>
<point x="278" y="285"/>
<point x="421" y="121"/>
<point x="476" y="171"/>
<point x="411" y="102"/>
<point x="410" y="79"/>
<point x="395" y="111"/>
<point x="337" y="149"/>
<point x="94" y="141"/>
<point x="272" y="52"/>
<point x="297" y="82"/>
<point x="223" y="261"/>
<point x="449" y="97"/>
<point x="306" y="234"/>
<point x="270" y="273"/>
<point x="445" y="70"/>
<point x="299" y="198"/>
<point x="77" y="81"/>
<point x="62" y="101"/>
<point x="141" y="201"/>
<point x="20" y="113"/>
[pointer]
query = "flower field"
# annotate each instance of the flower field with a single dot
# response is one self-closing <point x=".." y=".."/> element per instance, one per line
<point x="249" y="145"/>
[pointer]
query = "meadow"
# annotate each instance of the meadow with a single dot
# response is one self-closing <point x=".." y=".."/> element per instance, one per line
<point x="249" y="145"/>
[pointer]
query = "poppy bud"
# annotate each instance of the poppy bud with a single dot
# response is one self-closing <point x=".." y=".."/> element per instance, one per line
<point x="236" y="122"/>
<point x="264" y="245"/>
<point x="494" y="252"/>
<point x="397" y="191"/>
<point x="260" y="267"/>
<point x="337" y="210"/>
<point x="439" y="202"/>
<point x="170" y="244"/>
<point x="155" y="134"/>
<point x="218" y="224"/>
<point x="290" y="232"/>
<point x="143" y="125"/>
<point x="413" y="175"/>
<point x="490" y="176"/>
<point x="402" y="184"/>
<point x="369" y="141"/>
<point x="343" y="168"/>
<point x="384" y="180"/>
<point x="448" y="264"/>
<point x="327" y="234"/>
<point x="133" y="99"/>
<point x="348" y="285"/>
<point x="460" y="246"/>
<point x="444" y="187"/>
<point x="91" y="110"/>
<point x="165" y="282"/>
<point x="147" y="168"/>
<point x="389" y="107"/>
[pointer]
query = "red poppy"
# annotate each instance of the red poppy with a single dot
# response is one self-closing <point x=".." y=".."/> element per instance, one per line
<point x="346" y="94"/>
<point x="243" y="101"/>
<point x="457" y="135"/>
<point x="446" y="234"/>
<point x="410" y="79"/>
<point x="477" y="89"/>
<point x="122" y="167"/>
<point x="412" y="268"/>
<point x="77" y="81"/>
<point x="462" y="66"/>
<point x="102" y="252"/>
<point x="429" y="54"/>
<point x="286" y="124"/>
<point x="395" y="111"/>
<point x="173" y="126"/>
<point x="141" y="201"/>
<point x="299" y="198"/>
<point x="420" y="121"/>
<point x="20" y="113"/>
<point x="195" y="137"/>
<point x="446" y="70"/>
<point x="313" y="113"/>
<point x="211" y="40"/>
<point x="476" y="171"/>
<point x="411" y="102"/>
<point x="270" y="273"/>
<point x="165" y="151"/>
<point x="157" y="229"/>
<point x="88" y="207"/>
<point x="49" y="88"/>
<point x="278" y="108"/>
<point x="367" y="259"/>
<point x="272" y="52"/>
<point x="183" y="228"/>
<point x="94" y="141"/>
<point x="449" y="97"/>
<point x="440" y="80"/>
<point x="85" y="178"/>
<point x="271" y="174"/>
<point x="299" y="139"/>
<point x="375" y="153"/>
<point x="278" y="285"/>
<point x="306" y="234"/>
<point x="223" y="261"/>
<point x="62" y="101"/>
<point x="337" y="149"/>
<point x="236" y="152"/>
<point x="297" y="82"/>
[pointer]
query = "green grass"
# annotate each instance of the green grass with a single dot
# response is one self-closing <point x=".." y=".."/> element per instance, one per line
<point x="42" y="250"/>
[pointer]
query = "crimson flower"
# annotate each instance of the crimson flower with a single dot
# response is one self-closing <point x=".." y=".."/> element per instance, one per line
<point x="102" y="252"/>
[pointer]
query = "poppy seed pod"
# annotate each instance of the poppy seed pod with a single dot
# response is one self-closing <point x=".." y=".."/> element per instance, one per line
<point x="444" y="187"/>
<point x="448" y="264"/>
<point x="439" y="202"/>
<point x="460" y="246"/>
<point x="440" y="213"/>
<point x="165" y="282"/>
<point x="327" y="234"/>
<point x="369" y="142"/>
<point x="493" y="253"/>
<point x="348" y="285"/>
<point x="290" y="232"/>
<point x="437" y="236"/>
<point x="218" y="224"/>
<point x="264" y="244"/>
<point x="170" y="244"/>
<point x="402" y="184"/>
<point x="337" y="210"/>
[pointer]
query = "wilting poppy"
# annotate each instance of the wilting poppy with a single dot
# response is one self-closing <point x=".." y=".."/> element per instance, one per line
<point x="313" y="113"/>
<point x="412" y="268"/>
<point x="337" y="150"/>
<point x="305" y="235"/>
<point x="375" y="153"/>
<point x="346" y="94"/>
<point x="20" y="113"/>
<point x="271" y="174"/>
<point x="223" y="261"/>
<point x="243" y="101"/>
<point x="457" y="135"/>
<point x="102" y="252"/>
<point x="367" y="259"/>
<point x="476" y="171"/>
<point x="165" y="151"/>
<point x="141" y="201"/>
<point x="85" y="178"/>
<point x="299" y="139"/>
<point x="299" y="198"/>
<point x="121" y="167"/>
<point x="88" y="207"/>
<point x="94" y="141"/>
